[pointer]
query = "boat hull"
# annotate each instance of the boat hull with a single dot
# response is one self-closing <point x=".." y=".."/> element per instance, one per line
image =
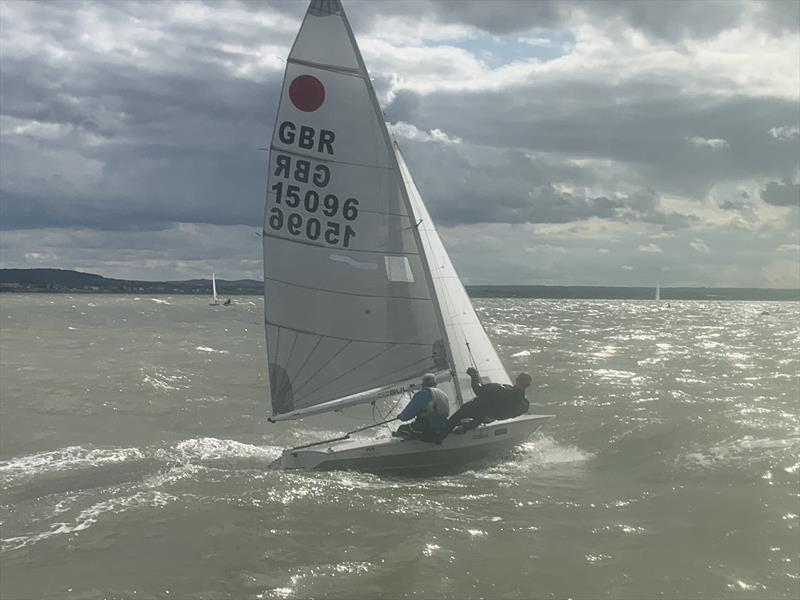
<point x="396" y="455"/>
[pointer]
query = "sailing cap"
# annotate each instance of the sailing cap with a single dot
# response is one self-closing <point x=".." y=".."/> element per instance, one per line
<point x="429" y="379"/>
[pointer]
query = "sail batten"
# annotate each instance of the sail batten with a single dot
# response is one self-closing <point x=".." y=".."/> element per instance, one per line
<point x="348" y="339"/>
<point x="347" y="293"/>
<point x="354" y="72"/>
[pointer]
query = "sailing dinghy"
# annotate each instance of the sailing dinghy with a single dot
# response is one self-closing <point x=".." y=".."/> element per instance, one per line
<point x="214" y="298"/>
<point x="360" y="296"/>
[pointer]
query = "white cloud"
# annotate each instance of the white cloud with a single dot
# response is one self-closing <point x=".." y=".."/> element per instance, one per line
<point x="713" y="143"/>
<point x="408" y="131"/>
<point x="540" y="42"/>
<point x="546" y="249"/>
<point x="700" y="246"/>
<point x="649" y="248"/>
<point x="788" y="248"/>
<point x="627" y="268"/>
<point x="785" y="132"/>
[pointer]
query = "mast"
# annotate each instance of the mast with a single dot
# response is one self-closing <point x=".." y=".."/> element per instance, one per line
<point x="425" y="266"/>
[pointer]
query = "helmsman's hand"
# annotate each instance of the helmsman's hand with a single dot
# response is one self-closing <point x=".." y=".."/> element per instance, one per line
<point x="472" y="372"/>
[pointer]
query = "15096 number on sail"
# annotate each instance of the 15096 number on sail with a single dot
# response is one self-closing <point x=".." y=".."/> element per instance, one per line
<point x="310" y="227"/>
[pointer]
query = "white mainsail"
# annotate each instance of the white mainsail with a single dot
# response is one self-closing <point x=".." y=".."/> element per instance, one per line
<point x="658" y="290"/>
<point x="350" y="308"/>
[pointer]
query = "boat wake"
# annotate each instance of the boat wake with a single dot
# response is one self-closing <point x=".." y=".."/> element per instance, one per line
<point x="540" y="455"/>
<point x="68" y="490"/>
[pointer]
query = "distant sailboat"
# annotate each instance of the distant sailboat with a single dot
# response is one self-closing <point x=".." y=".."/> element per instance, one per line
<point x="214" y="299"/>
<point x="658" y="291"/>
<point x="361" y="298"/>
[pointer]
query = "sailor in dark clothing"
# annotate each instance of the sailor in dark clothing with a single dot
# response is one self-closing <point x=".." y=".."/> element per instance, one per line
<point x="493" y="401"/>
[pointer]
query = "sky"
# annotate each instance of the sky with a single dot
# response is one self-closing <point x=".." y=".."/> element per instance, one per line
<point x="556" y="143"/>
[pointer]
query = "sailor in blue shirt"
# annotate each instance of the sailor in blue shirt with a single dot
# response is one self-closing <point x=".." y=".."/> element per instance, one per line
<point x="429" y="408"/>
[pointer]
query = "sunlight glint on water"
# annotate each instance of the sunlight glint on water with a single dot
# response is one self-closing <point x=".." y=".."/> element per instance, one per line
<point x="134" y="451"/>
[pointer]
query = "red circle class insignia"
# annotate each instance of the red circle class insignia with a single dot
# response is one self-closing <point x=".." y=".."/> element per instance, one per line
<point x="307" y="93"/>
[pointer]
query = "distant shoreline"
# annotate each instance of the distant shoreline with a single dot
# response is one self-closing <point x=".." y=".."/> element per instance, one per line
<point x="61" y="281"/>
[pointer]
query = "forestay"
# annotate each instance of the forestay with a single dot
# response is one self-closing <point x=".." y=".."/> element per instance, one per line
<point x="349" y="308"/>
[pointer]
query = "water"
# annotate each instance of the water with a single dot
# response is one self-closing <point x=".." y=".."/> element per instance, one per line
<point x="134" y="449"/>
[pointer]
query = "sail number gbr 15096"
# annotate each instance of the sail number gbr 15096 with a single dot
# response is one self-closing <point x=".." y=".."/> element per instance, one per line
<point x="313" y="203"/>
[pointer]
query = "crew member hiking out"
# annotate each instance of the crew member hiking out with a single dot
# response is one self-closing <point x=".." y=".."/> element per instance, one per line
<point x="493" y="401"/>
<point x="429" y="408"/>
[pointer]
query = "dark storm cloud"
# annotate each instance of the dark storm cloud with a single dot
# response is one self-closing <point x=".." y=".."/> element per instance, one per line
<point x="174" y="146"/>
<point x="651" y="132"/>
<point x="505" y="186"/>
<point x="782" y="193"/>
<point x="178" y="142"/>
<point x="664" y="19"/>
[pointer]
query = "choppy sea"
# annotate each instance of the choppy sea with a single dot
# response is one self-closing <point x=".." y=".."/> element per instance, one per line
<point x="134" y="448"/>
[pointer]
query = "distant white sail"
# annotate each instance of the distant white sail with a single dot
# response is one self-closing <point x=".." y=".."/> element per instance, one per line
<point x="349" y="305"/>
<point x="658" y="290"/>
<point x="214" y="298"/>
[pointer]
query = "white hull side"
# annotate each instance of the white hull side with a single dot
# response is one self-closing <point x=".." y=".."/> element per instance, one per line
<point x="406" y="456"/>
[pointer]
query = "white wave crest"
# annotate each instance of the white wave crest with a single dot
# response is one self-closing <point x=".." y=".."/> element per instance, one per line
<point x="72" y="457"/>
<point x="210" y="350"/>
<point x="89" y="516"/>
<point x="208" y="448"/>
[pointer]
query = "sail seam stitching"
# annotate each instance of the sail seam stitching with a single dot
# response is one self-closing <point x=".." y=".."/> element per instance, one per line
<point x="336" y="337"/>
<point x="318" y="289"/>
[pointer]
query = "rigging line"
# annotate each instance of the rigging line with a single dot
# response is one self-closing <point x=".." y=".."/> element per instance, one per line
<point x="345" y="436"/>
<point x="287" y="381"/>
<point x="358" y="366"/>
<point x="393" y="407"/>
<point x="277" y="346"/>
<point x="308" y="357"/>
<point x="291" y="351"/>
<point x="327" y="362"/>
<point x="375" y="380"/>
<point x="471" y="358"/>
